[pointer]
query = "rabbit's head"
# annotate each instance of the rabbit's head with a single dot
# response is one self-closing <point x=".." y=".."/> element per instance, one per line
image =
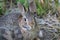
<point x="26" y="19"/>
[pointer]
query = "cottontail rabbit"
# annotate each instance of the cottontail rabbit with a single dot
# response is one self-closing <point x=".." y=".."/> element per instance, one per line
<point x="19" y="24"/>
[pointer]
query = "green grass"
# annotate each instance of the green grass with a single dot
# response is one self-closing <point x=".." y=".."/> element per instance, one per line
<point x="1" y="8"/>
<point x="41" y="10"/>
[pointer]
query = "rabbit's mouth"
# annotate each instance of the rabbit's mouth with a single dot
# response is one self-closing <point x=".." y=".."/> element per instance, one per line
<point x="27" y="28"/>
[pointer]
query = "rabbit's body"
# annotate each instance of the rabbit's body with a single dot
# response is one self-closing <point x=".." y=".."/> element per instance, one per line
<point x="9" y="24"/>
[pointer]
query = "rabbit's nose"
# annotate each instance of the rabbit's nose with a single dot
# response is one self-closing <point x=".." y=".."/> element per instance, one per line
<point x="27" y="27"/>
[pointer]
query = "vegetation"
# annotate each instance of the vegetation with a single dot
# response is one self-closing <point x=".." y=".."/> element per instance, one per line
<point x="43" y="6"/>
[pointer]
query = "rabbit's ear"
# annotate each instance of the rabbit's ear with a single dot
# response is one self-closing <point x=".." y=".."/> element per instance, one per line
<point x="32" y="6"/>
<point x="21" y="8"/>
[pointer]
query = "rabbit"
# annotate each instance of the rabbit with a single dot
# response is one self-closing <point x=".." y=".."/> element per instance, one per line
<point x="19" y="24"/>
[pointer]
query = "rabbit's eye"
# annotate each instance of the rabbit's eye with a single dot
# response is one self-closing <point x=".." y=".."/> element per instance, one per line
<point x="25" y="19"/>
